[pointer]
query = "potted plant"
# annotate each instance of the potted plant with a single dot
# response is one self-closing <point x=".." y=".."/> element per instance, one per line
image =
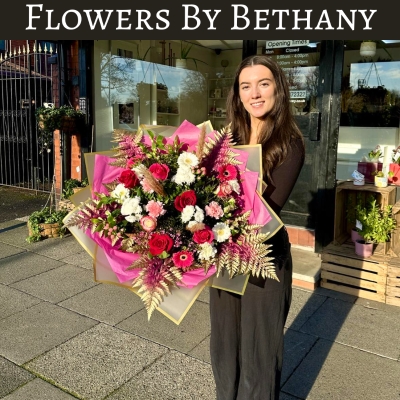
<point x="377" y="223"/>
<point x="46" y="223"/>
<point x="73" y="185"/>
<point x="370" y="164"/>
<point x="70" y="187"/>
<point x="181" y="61"/>
<point x="394" y="167"/>
<point x="352" y="218"/>
<point x="380" y="180"/>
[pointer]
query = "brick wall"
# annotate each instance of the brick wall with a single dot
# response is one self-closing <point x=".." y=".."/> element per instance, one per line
<point x="301" y="237"/>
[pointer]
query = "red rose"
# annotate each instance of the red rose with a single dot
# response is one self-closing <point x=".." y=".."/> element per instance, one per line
<point x="187" y="198"/>
<point x="159" y="171"/>
<point x="205" y="235"/>
<point x="160" y="242"/>
<point x="128" y="178"/>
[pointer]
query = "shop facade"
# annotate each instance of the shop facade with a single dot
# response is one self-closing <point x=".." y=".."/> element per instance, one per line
<point x="345" y="102"/>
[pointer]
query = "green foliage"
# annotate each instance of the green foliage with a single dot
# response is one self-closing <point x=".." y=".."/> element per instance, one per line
<point x="71" y="184"/>
<point x="377" y="223"/>
<point x="51" y="118"/>
<point x="45" y="216"/>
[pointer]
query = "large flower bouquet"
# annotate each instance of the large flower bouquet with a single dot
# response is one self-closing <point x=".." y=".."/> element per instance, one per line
<point x="180" y="210"/>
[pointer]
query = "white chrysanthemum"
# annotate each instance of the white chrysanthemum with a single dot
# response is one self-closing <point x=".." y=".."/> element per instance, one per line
<point x="131" y="206"/>
<point x="133" y="218"/>
<point x="199" y="215"/>
<point x="120" y="192"/>
<point x="207" y="251"/>
<point x="188" y="160"/>
<point x="221" y="232"/>
<point x="234" y="184"/>
<point x="187" y="213"/>
<point x="184" y="175"/>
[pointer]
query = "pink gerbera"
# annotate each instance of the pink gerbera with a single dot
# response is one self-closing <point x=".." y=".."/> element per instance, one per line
<point x="227" y="172"/>
<point x="183" y="259"/>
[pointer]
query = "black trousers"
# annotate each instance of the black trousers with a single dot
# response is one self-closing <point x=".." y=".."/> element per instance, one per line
<point x="246" y="342"/>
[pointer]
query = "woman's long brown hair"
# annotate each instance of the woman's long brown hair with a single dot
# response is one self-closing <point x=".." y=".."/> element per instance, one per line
<point x="279" y="127"/>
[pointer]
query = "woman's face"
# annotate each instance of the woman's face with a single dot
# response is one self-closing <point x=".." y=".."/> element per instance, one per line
<point x="257" y="90"/>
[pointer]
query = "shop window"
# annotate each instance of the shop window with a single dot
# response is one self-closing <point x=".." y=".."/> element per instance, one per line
<point x="371" y="86"/>
<point x="370" y="105"/>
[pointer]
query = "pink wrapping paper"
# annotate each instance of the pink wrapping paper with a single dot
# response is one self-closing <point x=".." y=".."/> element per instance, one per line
<point x="188" y="133"/>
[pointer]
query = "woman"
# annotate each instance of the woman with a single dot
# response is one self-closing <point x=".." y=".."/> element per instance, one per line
<point x="247" y="331"/>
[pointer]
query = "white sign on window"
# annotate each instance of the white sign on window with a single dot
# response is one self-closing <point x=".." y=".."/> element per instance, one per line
<point x="278" y="44"/>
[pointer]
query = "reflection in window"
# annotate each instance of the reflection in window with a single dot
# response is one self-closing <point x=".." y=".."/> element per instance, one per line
<point x="371" y="95"/>
<point x="142" y="92"/>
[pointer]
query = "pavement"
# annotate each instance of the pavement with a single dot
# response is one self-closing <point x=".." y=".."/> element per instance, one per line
<point x="64" y="336"/>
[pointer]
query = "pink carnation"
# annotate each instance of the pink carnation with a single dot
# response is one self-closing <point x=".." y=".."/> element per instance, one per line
<point x="183" y="259"/>
<point x="155" y="208"/>
<point x="214" y="210"/>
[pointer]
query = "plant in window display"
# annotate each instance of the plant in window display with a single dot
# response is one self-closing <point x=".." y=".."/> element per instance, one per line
<point x="181" y="59"/>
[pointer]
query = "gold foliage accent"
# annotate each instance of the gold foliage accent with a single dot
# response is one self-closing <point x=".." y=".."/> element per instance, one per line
<point x="200" y="143"/>
<point x="222" y="138"/>
<point x="152" y="293"/>
<point x="151" y="181"/>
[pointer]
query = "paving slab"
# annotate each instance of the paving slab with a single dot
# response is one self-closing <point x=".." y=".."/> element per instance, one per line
<point x="6" y="226"/>
<point x="194" y="328"/>
<point x="6" y="250"/>
<point x="202" y="351"/>
<point x="12" y="377"/>
<point x="173" y="376"/>
<point x="33" y="331"/>
<point x="16" y="234"/>
<point x="358" y="326"/>
<point x="80" y="259"/>
<point x="296" y="347"/>
<point x="57" y="284"/>
<point x="106" y="303"/>
<point x="332" y="371"/>
<point x="40" y="390"/>
<point x="204" y="295"/>
<point x="13" y="301"/>
<point x="303" y="306"/>
<point x="24" y="265"/>
<point x="57" y="248"/>
<point x="96" y="362"/>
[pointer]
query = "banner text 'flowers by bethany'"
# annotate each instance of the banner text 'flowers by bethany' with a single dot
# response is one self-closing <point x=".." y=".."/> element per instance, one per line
<point x="196" y="18"/>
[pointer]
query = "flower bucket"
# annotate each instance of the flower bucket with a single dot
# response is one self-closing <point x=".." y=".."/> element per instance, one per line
<point x="364" y="249"/>
<point x="395" y="179"/>
<point x="381" y="181"/>
<point x="355" y="235"/>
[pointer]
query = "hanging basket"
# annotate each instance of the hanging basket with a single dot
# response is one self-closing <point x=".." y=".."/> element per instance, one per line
<point x="368" y="49"/>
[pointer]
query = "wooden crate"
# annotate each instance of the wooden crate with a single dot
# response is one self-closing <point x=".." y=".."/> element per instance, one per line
<point x="347" y="196"/>
<point x="393" y="282"/>
<point x="344" y="271"/>
<point x="395" y="237"/>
